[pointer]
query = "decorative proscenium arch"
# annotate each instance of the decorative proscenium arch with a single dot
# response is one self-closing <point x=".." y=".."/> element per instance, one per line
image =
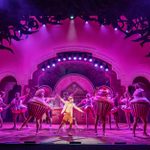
<point x="83" y="63"/>
<point x="65" y="81"/>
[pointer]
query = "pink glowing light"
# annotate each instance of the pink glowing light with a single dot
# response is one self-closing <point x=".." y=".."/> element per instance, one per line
<point x="48" y="66"/>
<point x="64" y="59"/>
<point x="106" y="69"/>
<point x="43" y="69"/>
<point x="53" y="65"/>
<point x="59" y="59"/>
<point x="101" y="66"/>
<point x="74" y="58"/>
<point x="90" y="60"/>
<point x="115" y="29"/>
<point x="69" y="58"/>
<point x="85" y="59"/>
<point x="44" y="25"/>
<point x="95" y="65"/>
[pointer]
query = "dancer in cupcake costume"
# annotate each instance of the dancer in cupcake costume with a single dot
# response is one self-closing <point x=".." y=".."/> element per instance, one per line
<point x="103" y="104"/>
<point x="140" y="109"/>
<point x="17" y="108"/>
<point x="68" y="112"/>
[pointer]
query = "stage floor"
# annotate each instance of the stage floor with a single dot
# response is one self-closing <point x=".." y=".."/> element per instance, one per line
<point x="47" y="135"/>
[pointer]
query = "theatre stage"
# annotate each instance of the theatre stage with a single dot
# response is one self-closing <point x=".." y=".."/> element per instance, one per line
<point x="81" y="135"/>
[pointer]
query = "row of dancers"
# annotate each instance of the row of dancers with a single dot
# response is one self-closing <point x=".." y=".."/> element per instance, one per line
<point x="86" y="105"/>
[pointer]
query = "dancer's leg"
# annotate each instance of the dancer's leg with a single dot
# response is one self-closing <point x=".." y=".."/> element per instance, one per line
<point x="116" y="118"/>
<point x="135" y="124"/>
<point x="61" y="124"/>
<point x="24" y="117"/>
<point x="25" y="122"/>
<point x="144" y="120"/>
<point x="14" y="120"/>
<point x="109" y="118"/>
<point x="37" y="125"/>
<point x="127" y="114"/>
<point x="103" y="118"/>
<point x="1" y="121"/>
<point x="96" y="123"/>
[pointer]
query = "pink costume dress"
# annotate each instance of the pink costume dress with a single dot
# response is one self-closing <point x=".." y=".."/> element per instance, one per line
<point x="87" y="103"/>
<point x="126" y="105"/>
<point x="17" y="106"/>
<point x="1" y="105"/>
<point x="138" y="97"/>
<point x="97" y="107"/>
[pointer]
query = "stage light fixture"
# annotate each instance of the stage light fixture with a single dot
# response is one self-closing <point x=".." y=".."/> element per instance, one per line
<point x="43" y="69"/>
<point x="48" y="66"/>
<point x="53" y="65"/>
<point x="44" y="25"/>
<point x="96" y="65"/>
<point x="116" y="29"/>
<point x="101" y="66"/>
<point x="71" y="17"/>
<point x="106" y="69"/>
<point x="90" y="60"/>
<point x="80" y="58"/>
<point x="64" y="59"/>
<point x="69" y="58"/>
<point x="74" y="58"/>
<point x="85" y="59"/>
<point x="58" y="59"/>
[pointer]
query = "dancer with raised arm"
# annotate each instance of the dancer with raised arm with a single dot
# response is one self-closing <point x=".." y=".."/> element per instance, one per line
<point x="17" y="108"/>
<point x="87" y="105"/>
<point x="68" y="112"/>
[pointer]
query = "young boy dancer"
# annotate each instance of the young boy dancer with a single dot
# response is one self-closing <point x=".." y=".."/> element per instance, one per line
<point x="68" y="112"/>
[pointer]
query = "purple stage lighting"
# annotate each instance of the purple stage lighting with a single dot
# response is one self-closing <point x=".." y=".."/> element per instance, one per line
<point x="96" y="65"/>
<point x="30" y="29"/>
<point x="64" y="59"/>
<point x="71" y="17"/>
<point x="106" y="69"/>
<point x="48" y="66"/>
<point x="69" y="58"/>
<point x="101" y="66"/>
<point x="85" y="59"/>
<point x="59" y="60"/>
<point x="53" y="65"/>
<point x="80" y="58"/>
<point x="44" y="25"/>
<point x="115" y="29"/>
<point x="43" y="69"/>
<point x="86" y="22"/>
<point x="90" y="60"/>
<point x="74" y="58"/>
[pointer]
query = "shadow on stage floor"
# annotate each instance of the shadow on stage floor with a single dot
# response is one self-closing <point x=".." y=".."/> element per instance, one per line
<point x="82" y="139"/>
